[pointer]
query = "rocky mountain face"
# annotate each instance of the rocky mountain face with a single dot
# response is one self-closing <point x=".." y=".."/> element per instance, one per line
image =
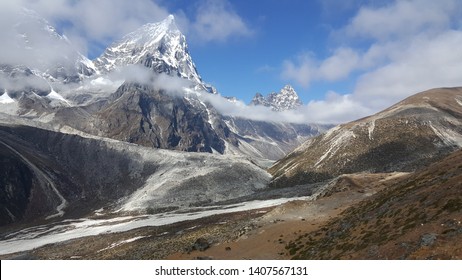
<point x="405" y="137"/>
<point x="286" y="99"/>
<point x="57" y="179"/>
<point x="153" y="118"/>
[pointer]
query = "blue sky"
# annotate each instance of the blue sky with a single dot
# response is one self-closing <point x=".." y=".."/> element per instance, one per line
<point x="346" y="59"/>
<point x="279" y="30"/>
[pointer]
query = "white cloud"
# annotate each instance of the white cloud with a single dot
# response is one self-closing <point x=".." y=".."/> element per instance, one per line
<point x="334" y="109"/>
<point x="302" y="71"/>
<point x="401" y="18"/>
<point x="339" y="65"/>
<point x="28" y="40"/>
<point x="97" y="22"/>
<point x="139" y="74"/>
<point x="306" y="69"/>
<point x="22" y="82"/>
<point x="425" y="63"/>
<point x="216" y="20"/>
<point x="415" y="48"/>
<point x="258" y="113"/>
<point x="407" y="46"/>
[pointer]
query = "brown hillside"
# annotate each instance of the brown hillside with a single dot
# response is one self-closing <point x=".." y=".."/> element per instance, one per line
<point x="418" y="218"/>
<point x="407" y="136"/>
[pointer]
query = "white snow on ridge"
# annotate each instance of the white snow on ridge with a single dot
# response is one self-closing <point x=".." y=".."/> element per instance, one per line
<point x="6" y="99"/>
<point x="285" y="99"/>
<point x="54" y="95"/>
<point x="163" y="40"/>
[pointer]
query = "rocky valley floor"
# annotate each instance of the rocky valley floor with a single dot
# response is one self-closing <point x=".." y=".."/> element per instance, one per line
<point x="264" y="233"/>
<point x="354" y="216"/>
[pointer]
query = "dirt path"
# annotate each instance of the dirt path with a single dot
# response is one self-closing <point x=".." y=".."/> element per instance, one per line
<point x="271" y="233"/>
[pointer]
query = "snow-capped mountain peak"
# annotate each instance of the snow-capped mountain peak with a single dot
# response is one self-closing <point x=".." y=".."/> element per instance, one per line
<point x="160" y="46"/>
<point x="150" y="34"/>
<point x="286" y="99"/>
<point x="288" y="91"/>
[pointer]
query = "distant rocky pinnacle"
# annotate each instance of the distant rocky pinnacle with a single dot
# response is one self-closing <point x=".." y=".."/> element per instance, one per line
<point x="286" y="99"/>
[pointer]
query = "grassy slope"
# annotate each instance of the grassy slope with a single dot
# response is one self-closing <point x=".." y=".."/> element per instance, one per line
<point x="417" y="218"/>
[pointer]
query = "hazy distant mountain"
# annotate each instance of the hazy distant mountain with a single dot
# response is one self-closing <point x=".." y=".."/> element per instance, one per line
<point x="36" y="45"/>
<point x="271" y="140"/>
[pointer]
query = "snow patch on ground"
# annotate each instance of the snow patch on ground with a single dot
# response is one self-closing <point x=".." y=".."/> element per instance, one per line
<point x="371" y="128"/>
<point x="8" y="105"/>
<point x="117" y="244"/>
<point x="448" y="136"/>
<point x="304" y="145"/>
<point x="459" y="100"/>
<point x="231" y="126"/>
<point x="288" y="170"/>
<point x="334" y="145"/>
<point x="331" y="131"/>
<point x="247" y="149"/>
